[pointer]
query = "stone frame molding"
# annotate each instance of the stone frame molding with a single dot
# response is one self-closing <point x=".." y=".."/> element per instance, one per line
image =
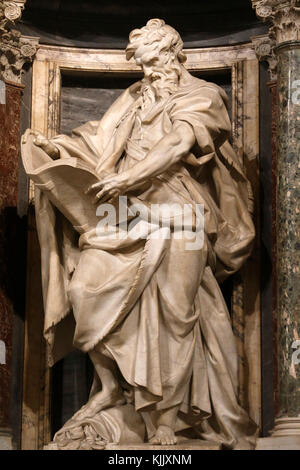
<point x="264" y="47"/>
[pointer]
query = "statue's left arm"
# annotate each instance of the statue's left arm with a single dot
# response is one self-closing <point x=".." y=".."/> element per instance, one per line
<point x="169" y="150"/>
<point x="199" y="120"/>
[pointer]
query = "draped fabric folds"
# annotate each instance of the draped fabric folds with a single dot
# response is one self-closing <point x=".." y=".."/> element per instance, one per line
<point x="156" y="306"/>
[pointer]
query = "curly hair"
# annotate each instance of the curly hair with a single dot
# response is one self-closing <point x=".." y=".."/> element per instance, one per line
<point x="158" y="33"/>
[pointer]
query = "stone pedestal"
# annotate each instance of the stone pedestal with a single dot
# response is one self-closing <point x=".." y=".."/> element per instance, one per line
<point x="284" y="443"/>
<point x="192" y="444"/>
<point x="5" y="440"/>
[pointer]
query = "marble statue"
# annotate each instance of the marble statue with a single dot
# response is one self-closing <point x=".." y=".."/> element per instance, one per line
<point x="148" y="310"/>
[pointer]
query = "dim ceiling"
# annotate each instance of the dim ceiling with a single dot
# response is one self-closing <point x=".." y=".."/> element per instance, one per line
<point x="102" y="22"/>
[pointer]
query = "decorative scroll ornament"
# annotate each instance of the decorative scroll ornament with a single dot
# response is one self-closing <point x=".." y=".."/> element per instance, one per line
<point x="284" y="16"/>
<point x="264" y="49"/>
<point x="12" y="11"/>
<point x="15" y="50"/>
<point x="264" y="11"/>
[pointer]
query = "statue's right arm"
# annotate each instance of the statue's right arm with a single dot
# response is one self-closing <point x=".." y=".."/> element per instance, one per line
<point x="42" y="142"/>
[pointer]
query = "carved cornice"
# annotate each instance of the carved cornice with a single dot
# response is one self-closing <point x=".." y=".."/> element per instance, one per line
<point x="284" y="18"/>
<point x="15" y="50"/>
<point x="264" y="49"/>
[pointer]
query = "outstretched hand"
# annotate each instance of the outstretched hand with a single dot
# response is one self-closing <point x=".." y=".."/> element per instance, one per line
<point x="110" y="187"/>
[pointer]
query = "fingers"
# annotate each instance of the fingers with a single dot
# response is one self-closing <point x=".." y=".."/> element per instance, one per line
<point x="110" y="188"/>
<point x="100" y="194"/>
<point x="107" y="178"/>
<point x="29" y="132"/>
<point x="106" y="194"/>
<point x="25" y="136"/>
<point x="98" y="185"/>
<point x="94" y="187"/>
<point x="39" y="140"/>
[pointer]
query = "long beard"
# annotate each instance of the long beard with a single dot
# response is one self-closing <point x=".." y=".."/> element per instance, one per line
<point x="161" y="84"/>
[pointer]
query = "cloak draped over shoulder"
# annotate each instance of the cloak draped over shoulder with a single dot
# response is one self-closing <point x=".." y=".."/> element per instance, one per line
<point x="122" y="293"/>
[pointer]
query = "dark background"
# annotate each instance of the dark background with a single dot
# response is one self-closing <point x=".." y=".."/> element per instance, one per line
<point x="107" y="23"/>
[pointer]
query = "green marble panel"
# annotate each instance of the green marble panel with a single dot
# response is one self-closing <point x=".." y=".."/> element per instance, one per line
<point x="288" y="228"/>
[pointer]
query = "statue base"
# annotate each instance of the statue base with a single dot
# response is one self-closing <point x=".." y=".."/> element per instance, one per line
<point x="191" y="444"/>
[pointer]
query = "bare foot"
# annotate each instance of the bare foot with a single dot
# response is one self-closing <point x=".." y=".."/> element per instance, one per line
<point x="99" y="402"/>
<point x="164" y="436"/>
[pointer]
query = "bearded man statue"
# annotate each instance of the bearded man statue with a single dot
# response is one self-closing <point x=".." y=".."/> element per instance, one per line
<point x="148" y="310"/>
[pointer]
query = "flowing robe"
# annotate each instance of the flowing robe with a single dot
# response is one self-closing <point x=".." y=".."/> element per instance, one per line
<point x="154" y="305"/>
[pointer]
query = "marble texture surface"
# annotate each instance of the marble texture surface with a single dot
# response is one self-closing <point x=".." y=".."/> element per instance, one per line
<point x="86" y="98"/>
<point x="288" y="227"/>
<point x="274" y="94"/>
<point x="285" y="443"/>
<point x="9" y="141"/>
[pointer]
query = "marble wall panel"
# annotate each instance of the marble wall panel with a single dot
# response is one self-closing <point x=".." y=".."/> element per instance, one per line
<point x="9" y="224"/>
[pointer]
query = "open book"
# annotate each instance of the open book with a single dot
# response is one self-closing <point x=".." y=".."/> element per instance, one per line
<point x="65" y="182"/>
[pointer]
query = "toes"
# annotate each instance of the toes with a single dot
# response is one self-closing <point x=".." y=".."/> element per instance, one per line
<point x="169" y="440"/>
<point x="163" y="437"/>
<point x="154" y="441"/>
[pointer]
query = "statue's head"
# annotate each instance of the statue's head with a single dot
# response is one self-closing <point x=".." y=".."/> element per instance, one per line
<point x="157" y="48"/>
